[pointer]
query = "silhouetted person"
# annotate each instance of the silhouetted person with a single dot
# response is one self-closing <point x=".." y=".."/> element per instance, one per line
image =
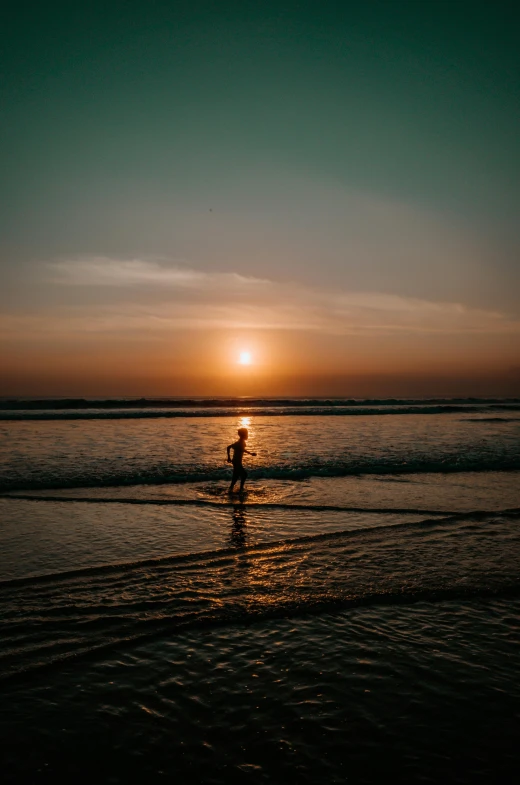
<point x="239" y="448"/>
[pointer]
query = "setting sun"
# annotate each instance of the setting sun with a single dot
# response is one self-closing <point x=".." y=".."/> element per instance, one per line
<point x="245" y="358"/>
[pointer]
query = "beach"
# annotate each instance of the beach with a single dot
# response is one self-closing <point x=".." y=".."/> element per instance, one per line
<point x="352" y="617"/>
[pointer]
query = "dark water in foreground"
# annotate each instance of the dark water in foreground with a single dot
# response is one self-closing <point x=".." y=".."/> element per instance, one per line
<point x="419" y="693"/>
<point x="353" y="618"/>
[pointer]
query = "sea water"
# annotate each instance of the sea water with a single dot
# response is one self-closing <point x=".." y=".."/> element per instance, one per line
<point x="354" y="613"/>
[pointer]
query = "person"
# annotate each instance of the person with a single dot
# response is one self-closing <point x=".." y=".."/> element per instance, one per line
<point x="239" y="448"/>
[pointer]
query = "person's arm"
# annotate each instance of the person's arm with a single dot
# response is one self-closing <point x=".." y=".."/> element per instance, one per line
<point x="249" y="452"/>
<point x="231" y="447"/>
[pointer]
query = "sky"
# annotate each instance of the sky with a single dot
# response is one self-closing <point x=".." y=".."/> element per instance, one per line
<point x="329" y="187"/>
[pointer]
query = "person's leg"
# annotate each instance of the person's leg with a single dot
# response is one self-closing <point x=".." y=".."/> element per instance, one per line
<point x="243" y="478"/>
<point x="234" y="478"/>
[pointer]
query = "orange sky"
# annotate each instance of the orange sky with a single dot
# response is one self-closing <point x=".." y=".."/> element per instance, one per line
<point x="369" y="348"/>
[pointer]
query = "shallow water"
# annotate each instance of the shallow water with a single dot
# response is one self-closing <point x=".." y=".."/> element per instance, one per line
<point x="356" y="611"/>
<point x="57" y="454"/>
<point x="420" y="693"/>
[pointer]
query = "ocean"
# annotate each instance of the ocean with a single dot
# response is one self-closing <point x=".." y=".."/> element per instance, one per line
<point x="352" y="617"/>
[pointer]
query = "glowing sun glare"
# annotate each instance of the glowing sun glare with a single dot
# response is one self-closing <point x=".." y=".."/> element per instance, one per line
<point x="245" y="358"/>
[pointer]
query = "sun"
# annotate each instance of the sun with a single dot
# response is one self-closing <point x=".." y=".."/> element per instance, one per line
<point x="245" y="358"/>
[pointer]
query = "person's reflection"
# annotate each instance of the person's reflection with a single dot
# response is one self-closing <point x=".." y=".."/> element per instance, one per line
<point x="238" y="528"/>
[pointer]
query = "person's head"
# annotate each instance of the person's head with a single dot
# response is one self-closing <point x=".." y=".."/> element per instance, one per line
<point x="242" y="432"/>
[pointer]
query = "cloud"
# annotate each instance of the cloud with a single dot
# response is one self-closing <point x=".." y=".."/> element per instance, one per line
<point x="172" y="297"/>
<point x="161" y="299"/>
<point x="103" y="271"/>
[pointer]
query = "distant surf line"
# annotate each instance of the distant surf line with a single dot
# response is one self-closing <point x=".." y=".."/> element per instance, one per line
<point x="13" y="403"/>
<point x="7" y="415"/>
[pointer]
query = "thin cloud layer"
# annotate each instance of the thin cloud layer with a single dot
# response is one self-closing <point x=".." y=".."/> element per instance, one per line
<point x="171" y="297"/>
<point x="103" y="271"/>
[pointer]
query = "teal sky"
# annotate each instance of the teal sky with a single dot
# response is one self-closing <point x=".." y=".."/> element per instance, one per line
<point x="361" y="147"/>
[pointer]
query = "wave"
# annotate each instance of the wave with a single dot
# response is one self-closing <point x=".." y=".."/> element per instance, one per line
<point x="182" y="475"/>
<point x="338" y="410"/>
<point x="490" y="419"/>
<point x="242" y="505"/>
<point x="51" y="619"/>
<point x="55" y="654"/>
<point x="183" y="403"/>
<point x="440" y="520"/>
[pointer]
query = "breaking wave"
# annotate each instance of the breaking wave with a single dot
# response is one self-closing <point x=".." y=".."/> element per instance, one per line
<point x="161" y="475"/>
<point x="83" y="409"/>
